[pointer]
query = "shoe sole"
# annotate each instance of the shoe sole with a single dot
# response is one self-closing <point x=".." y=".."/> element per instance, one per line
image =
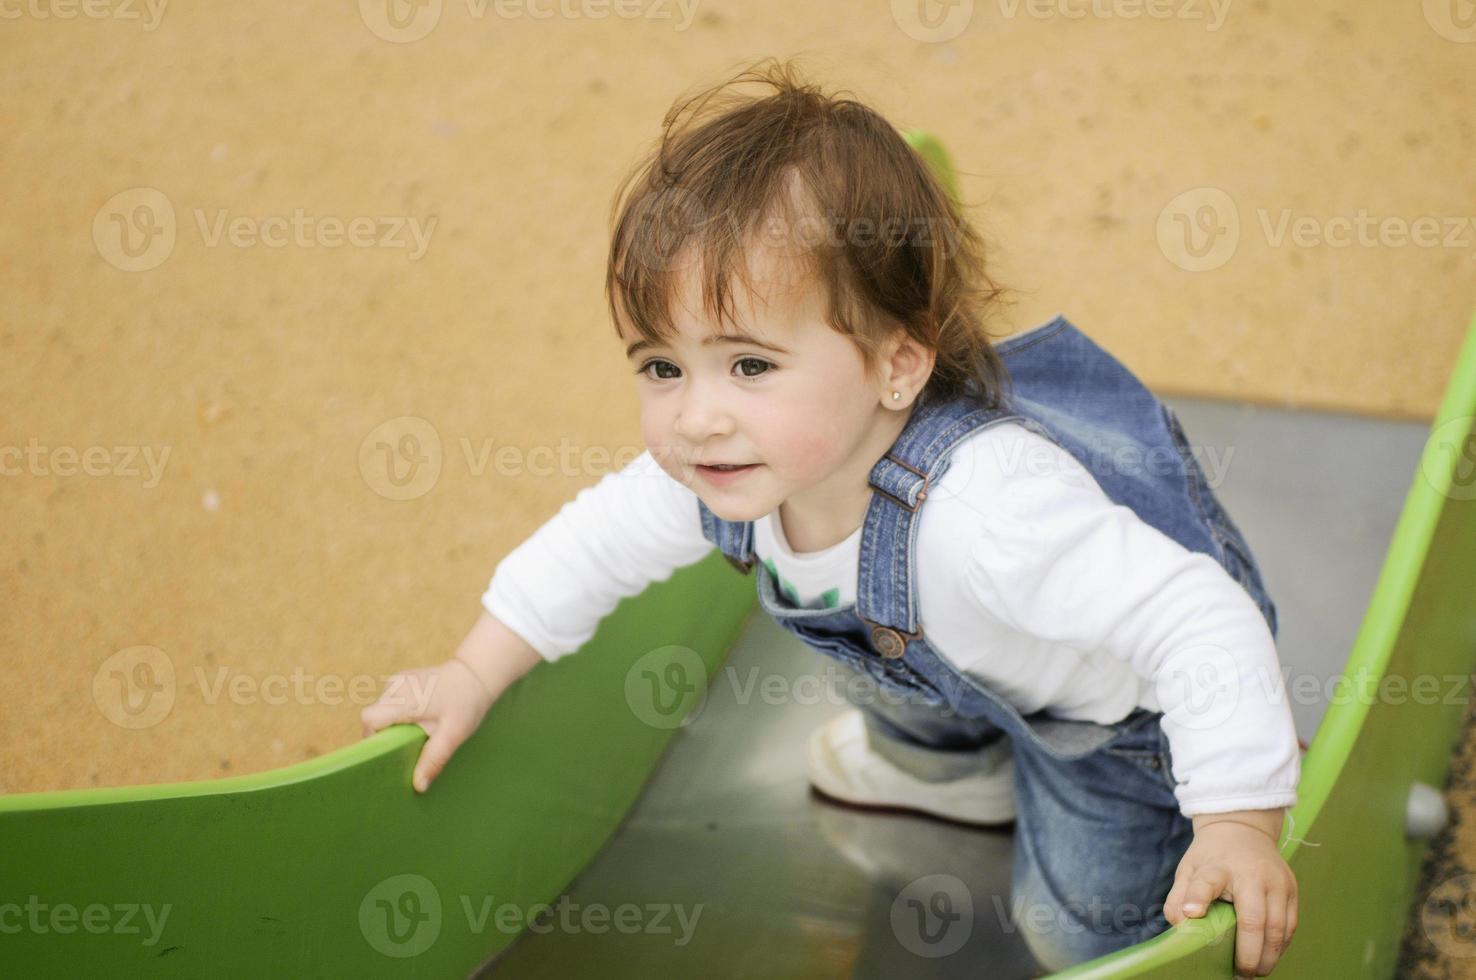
<point x="867" y="806"/>
<point x="828" y="790"/>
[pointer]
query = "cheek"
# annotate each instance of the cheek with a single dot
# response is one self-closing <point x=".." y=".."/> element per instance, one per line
<point x="818" y="441"/>
<point x="655" y="421"/>
<point x="812" y="449"/>
<point x="651" y="432"/>
<point x="656" y="434"/>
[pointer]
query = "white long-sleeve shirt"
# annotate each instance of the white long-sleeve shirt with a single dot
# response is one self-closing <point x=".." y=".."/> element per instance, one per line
<point x="1029" y="579"/>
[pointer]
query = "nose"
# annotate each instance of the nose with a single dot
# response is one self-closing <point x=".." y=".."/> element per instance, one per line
<point x="703" y="414"/>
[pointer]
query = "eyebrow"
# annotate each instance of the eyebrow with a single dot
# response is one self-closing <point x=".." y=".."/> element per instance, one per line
<point x="722" y="338"/>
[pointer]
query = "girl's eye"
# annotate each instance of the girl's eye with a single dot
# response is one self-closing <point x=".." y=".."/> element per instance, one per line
<point x="645" y="369"/>
<point x="764" y="367"/>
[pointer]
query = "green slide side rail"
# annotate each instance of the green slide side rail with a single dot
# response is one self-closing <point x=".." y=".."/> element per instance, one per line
<point x="334" y="867"/>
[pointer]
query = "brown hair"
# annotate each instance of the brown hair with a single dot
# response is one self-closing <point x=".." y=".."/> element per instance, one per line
<point x="894" y="249"/>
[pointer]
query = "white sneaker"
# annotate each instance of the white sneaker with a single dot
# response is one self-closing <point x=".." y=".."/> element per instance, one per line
<point x="841" y="764"/>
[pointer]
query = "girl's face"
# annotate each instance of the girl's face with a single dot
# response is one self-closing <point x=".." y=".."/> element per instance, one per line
<point x="780" y="391"/>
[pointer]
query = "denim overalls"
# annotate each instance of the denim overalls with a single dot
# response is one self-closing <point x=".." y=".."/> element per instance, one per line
<point x="1098" y="832"/>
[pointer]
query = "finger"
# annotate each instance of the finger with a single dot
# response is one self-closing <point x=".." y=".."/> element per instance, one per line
<point x="1291" y="918"/>
<point x="1250" y="930"/>
<point x="1173" y="904"/>
<point x="1207" y="885"/>
<point x="415" y="688"/>
<point x="1275" y="936"/>
<point x="397" y="704"/>
<point x="434" y="756"/>
<point x="380" y="715"/>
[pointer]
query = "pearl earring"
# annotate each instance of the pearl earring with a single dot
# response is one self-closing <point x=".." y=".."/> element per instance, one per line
<point x="896" y="395"/>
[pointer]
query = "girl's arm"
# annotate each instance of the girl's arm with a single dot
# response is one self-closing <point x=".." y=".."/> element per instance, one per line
<point x="1056" y="559"/>
<point x="634" y="527"/>
<point x="495" y="655"/>
<point x="546" y="599"/>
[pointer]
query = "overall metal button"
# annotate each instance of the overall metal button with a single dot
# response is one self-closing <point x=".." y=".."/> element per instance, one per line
<point x="888" y="642"/>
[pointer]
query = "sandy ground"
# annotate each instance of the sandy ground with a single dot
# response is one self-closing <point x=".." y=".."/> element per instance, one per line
<point x="207" y="564"/>
<point x="1441" y="927"/>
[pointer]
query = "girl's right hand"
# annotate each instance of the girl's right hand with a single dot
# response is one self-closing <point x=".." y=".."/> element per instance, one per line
<point x="447" y="701"/>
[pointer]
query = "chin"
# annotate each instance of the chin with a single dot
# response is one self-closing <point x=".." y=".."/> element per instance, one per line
<point x="735" y="510"/>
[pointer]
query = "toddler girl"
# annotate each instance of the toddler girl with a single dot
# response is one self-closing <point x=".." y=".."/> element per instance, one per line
<point x="1012" y="542"/>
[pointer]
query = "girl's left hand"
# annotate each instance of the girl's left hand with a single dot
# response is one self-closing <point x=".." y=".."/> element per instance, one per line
<point x="1239" y="862"/>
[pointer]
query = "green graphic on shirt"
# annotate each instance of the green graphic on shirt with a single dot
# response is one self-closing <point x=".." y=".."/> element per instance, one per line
<point x="829" y="599"/>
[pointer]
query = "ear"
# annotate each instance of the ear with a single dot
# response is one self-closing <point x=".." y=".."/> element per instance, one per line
<point x="905" y="366"/>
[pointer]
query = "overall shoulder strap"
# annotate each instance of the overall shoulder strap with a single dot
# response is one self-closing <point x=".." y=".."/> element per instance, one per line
<point x="1095" y="408"/>
<point x="886" y="595"/>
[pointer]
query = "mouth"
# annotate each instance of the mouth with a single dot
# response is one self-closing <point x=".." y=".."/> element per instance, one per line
<point x="722" y="472"/>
